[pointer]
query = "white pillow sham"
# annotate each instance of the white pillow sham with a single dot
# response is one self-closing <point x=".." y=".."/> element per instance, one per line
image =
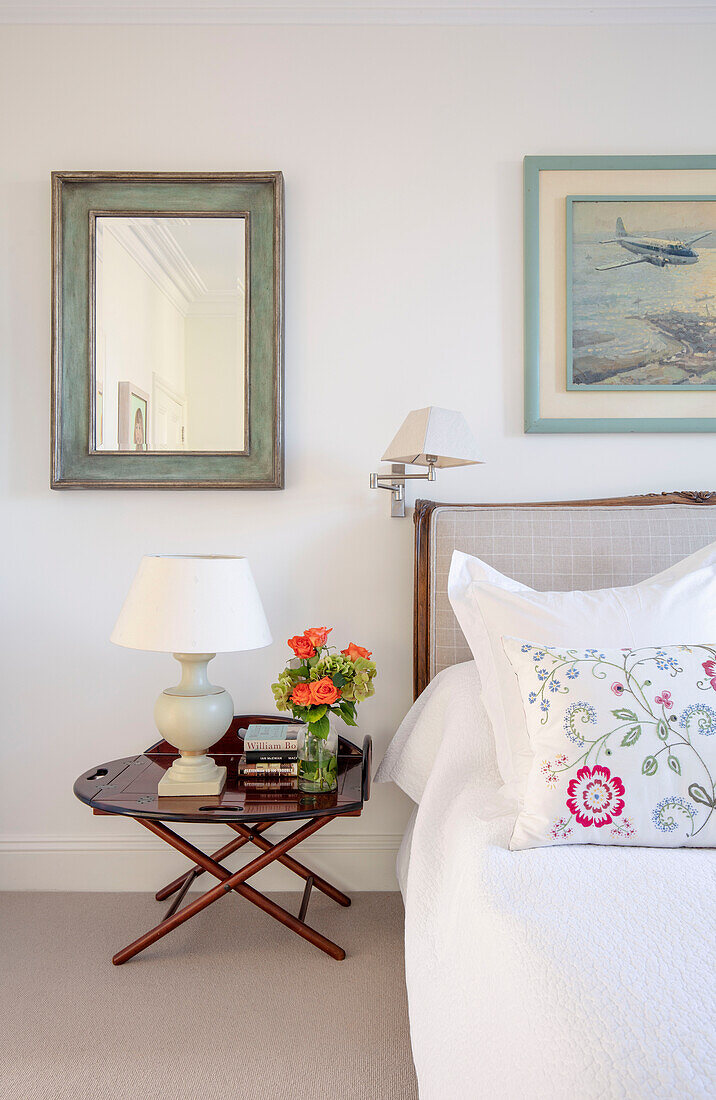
<point x="670" y="608"/>
<point x="411" y="754"/>
<point x="624" y="743"/>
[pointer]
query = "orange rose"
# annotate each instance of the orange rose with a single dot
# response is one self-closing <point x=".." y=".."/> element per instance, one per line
<point x="318" y="635"/>
<point x="324" y="691"/>
<point x="302" y="695"/>
<point x="354" y="651"/>
<point x="302" y="646"/>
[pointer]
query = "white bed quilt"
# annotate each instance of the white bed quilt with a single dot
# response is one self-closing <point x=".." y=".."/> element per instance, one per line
<point x="569" y="973"/>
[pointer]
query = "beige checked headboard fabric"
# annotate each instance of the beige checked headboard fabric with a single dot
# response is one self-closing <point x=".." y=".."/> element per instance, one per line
<point x="556" y="546"/>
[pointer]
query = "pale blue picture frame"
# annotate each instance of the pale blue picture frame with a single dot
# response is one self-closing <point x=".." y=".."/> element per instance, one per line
<point x="534" y="422"/>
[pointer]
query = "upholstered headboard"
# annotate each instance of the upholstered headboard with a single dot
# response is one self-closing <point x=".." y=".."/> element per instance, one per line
<point x="556" y="546"/>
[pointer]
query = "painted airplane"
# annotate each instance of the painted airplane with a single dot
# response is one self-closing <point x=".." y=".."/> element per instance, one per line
<point x="652" y="250"/>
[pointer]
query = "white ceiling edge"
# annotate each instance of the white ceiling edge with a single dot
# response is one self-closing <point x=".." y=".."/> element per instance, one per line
<point x="341" y="12"/>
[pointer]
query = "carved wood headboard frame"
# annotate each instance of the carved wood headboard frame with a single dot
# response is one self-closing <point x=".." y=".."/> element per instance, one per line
<point x="422" y="518"/>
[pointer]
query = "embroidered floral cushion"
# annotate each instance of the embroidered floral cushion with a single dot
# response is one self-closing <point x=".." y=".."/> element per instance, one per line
<point x="672" y="607"/>
<point x="624" y="742"/>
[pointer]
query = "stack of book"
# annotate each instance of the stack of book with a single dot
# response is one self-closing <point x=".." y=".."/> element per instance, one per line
<point x="269" y="760"/>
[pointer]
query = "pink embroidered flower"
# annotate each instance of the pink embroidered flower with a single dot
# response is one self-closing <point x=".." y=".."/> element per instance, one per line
<point x="618" y="688"/>
<point x="709" y="668"/>
<point x="594" y="797"/>
<point x="665" y="699"/>
<point x="624" y="830"/>
<point x="561" y="829"/>
<point x="561" y="760"/>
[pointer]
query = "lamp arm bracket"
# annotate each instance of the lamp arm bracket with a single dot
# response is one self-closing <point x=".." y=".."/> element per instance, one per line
<point x="376" y="479"/>
<point x="395" y="481"/>
<point x="430" y="476"/>
<point x="392" y="488"/>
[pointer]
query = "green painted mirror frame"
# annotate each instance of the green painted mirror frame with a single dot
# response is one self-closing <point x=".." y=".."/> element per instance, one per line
<point x="77" y="198"/>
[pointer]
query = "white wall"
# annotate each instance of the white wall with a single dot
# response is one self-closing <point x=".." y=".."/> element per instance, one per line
<point x="402" y="150"/>
<point x="215" y="382"/>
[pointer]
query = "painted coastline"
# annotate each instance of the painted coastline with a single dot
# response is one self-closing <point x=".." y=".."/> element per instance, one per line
<point x="689" y="358"/>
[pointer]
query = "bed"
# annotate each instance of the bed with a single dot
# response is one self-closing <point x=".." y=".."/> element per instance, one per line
<point x="566" y="972"/>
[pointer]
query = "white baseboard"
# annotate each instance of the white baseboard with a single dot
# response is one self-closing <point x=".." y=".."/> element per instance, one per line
<point x="128" y="862"/>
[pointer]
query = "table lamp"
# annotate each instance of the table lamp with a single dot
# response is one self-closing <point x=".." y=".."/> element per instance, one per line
<point x="194" y="608"/>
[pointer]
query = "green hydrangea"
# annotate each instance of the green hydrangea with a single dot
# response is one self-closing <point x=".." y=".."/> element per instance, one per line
<point x="332" y="664"/>
<point x="282" y="690"/>
<point x="362" y="687"/>
<point x="363" y="676"/>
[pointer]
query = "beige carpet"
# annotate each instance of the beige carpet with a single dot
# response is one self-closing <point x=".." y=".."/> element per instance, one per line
<point x="231" y="1004"/>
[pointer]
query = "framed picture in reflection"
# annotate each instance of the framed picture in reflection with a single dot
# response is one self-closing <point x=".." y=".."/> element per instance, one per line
<point x="133" y="419"/>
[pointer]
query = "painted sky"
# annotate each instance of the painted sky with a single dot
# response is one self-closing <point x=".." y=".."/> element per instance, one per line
<point x="650" y="218"/>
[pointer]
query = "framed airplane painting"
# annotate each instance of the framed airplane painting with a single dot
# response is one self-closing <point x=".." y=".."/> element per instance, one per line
<point x="620" y="294"/>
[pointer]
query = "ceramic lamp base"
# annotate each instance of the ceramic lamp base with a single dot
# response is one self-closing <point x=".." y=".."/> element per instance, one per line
<point x="193" y="716"/>
<point x="192" y="775"/>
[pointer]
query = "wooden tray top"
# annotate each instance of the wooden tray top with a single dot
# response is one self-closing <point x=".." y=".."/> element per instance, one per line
<point x="129" y="786"/>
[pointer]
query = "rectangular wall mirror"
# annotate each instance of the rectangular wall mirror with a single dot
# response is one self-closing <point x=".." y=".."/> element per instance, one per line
<point x="169" y="331"/>
<point x="167" y="335"/>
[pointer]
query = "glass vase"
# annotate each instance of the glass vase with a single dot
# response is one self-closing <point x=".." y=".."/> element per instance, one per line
<point x="317" y="759"/>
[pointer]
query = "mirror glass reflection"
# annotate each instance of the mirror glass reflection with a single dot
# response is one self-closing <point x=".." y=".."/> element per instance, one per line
<point x="170" y="334"/>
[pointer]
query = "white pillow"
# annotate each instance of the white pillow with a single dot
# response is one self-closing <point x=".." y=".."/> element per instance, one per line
<point x="410" y="756"/>
<point x="624" y="742"/>
<point x="668" y="609"/>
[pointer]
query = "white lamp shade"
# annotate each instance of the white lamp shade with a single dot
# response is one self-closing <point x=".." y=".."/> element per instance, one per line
<point x="436" y="432"/>
<point x="192" y="605"/>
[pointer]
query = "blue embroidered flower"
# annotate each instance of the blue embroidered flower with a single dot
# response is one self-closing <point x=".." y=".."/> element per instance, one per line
<point x="554" y="685"/>
<point x="538" y="655"/>
<point x="705" y="719"/>
<point x="663" y="815"/>
<point x="572" y="673"/>
<point x="586" y="714"/>
<point x="525" y="648"/>
<point x="542" y="673"/>
<point x="544" y="705"/>
<point x="532" y="697"/>
<point x="666" y="663"/>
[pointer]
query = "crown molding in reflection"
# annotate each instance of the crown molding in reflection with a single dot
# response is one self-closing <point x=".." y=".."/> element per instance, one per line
<point x="402" y="12"/>
<point x="153" y="246"/>
<point x="215" y="305"/>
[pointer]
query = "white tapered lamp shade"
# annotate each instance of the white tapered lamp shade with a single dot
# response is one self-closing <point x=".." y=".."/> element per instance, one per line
<point x="434" y="436"/>
<point x="193" y="607"/>
<point x="183" y="604"/>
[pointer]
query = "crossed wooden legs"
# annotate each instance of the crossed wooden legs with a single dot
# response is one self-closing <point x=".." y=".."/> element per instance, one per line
<point x="237" y="882"/>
